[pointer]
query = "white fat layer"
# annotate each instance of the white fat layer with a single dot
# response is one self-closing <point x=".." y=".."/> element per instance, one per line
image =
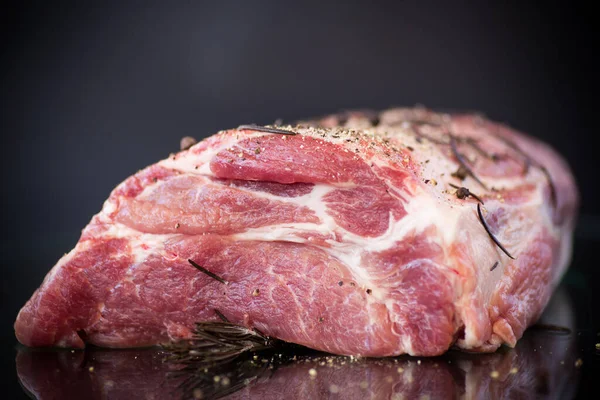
<point x="141" y="245"/>
<point x="422" y="212"/>
<point x="297" y="232"/>
<point x="314" y="201"/>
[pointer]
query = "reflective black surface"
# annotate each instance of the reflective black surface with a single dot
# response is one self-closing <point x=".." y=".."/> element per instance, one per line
<point x="547" y="363"/>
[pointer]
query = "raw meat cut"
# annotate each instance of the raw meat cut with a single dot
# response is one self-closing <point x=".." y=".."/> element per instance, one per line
<point x="360" y="234"/>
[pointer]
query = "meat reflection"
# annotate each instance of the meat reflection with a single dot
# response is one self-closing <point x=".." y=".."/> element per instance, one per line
<point x="541" y="366"/>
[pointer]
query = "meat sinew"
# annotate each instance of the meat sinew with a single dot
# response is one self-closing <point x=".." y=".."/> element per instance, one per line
<point x="361" y="234"/>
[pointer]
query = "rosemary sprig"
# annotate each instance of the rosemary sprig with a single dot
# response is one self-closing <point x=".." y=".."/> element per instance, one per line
<point x="489" y="232"/>
<point x="527" y="161"/>
<point x="473" y="143"/>
<point x="221" y="316"/>
<point x="207" y="272"/>
<point x="551" y="183"/>
<point x="222" y="358"/>
<point x="267" y="129"/>
<point x="215" y="342"/>
<point x="495" y="265"/>
<point x="462" y="163"/>
<point x="420" y="135"/>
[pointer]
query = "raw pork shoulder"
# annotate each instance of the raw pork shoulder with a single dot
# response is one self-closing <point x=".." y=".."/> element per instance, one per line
<point x="362" y="233"/>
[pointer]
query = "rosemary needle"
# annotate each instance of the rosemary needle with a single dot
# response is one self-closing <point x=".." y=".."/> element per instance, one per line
<point x="267" y="129"/>
<point x="487" y="229"/>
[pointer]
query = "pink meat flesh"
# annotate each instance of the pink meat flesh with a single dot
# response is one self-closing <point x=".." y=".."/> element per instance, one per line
<point x="347" y="237"/>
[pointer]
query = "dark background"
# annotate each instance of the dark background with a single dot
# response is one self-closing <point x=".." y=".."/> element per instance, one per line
<point x="91" y="94"/>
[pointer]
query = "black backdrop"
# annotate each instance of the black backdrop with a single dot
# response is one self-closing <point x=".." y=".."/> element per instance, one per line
<point x="91" y="94"/>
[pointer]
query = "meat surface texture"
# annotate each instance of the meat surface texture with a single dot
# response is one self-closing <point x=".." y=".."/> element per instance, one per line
<point x="351" y="236"/>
